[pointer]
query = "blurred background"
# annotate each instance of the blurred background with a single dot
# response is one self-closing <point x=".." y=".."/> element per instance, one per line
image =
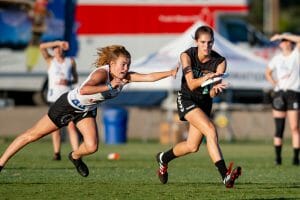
<point x="155" y="32"/>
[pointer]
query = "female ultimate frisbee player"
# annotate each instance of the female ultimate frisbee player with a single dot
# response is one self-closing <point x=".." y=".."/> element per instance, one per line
<point x="194" y="104"/>
<point x="62" y="74"/>
<point x="80" y="104"/>
<point x="286" y="83"/>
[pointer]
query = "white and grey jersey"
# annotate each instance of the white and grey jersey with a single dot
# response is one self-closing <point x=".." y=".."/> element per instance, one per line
<point x="56" y="72"/>
<point x="90" y="102"/>
<point x="287" y="71"/>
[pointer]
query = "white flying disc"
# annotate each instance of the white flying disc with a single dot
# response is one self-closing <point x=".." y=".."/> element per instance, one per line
<point x="215" y="79"/>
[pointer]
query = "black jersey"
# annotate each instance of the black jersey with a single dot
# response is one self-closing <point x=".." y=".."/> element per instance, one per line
<point x="188" y="100"/>
<point x="200" y="69"/>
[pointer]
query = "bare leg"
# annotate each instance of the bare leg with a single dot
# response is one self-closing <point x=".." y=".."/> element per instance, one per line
<point x="88" y="129"/>
<point x="200" y="121"/>
<point x="42" y="128"/>
<point x="73" y="135"/>
<point x="293" y="116"/>
<point x="192" y="143"/>
<point x="200" y="125"/>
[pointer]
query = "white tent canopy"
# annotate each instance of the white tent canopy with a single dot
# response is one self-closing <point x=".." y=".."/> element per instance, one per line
<point x="246" y="70"/>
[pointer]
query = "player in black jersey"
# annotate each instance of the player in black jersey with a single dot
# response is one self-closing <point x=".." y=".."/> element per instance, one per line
<point x="194" y="104"/>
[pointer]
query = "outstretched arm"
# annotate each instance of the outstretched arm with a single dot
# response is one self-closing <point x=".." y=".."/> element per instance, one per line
<point x="151" y="77"/>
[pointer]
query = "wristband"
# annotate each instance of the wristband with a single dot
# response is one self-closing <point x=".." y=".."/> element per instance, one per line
<point x="109" y="86"/>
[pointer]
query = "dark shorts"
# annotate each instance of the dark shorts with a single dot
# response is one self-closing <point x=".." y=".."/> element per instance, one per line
<point x="61" y="112"/>
<point x="187" y="102"/>
<point x="286" y="100"/>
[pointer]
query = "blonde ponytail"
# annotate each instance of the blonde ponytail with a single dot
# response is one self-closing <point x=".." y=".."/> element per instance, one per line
<point x="110" y="53"/>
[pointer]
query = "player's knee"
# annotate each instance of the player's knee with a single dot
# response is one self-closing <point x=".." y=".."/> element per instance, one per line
<point x="295" y="130"/>
<point x="193" y="148"/>
<point x="211" y="129"/>
<point x="91" y="148"/>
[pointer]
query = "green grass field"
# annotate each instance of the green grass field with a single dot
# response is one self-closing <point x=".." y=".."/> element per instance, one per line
<point x="31" y="174"/>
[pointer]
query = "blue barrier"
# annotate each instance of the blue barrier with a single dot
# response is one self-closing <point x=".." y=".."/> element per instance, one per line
<point x="115" y="125"/>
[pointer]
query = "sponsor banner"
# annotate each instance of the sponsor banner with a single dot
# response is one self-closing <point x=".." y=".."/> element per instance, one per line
<point x="147" y="19"/>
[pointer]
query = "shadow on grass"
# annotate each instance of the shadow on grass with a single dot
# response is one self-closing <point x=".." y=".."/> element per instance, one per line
<point x="272" y="185"/>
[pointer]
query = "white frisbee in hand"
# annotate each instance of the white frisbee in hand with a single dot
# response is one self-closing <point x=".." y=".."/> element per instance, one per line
<point x="215" y="79"/>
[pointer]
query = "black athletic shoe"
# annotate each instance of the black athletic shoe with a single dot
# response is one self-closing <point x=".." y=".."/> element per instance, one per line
<point x="57" y="156"/>
<point x="296" y="162"/>
<point x="1" y="167"/>
<point x="278" y="161"/>
<point x="82" y="169"/>
<point x="162" y="171"/>
<point x="231" y="176"/>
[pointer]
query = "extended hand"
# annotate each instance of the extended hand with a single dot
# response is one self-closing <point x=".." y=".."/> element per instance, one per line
<point x="218" y="88"/>
<point x="174" y="71"/>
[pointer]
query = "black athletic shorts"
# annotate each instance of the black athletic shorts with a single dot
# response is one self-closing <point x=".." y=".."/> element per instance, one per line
<point x="61" y="112"/>
<point x="286" y="100"/>
<point x="187" y="102"/>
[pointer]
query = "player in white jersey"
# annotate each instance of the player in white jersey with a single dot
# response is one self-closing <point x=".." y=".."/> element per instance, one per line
<point x="62" y="74"/>
<point x="283" y="72"/>
<point x="80" y="104"/>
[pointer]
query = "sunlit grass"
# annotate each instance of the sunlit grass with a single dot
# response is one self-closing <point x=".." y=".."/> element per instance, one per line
<point x="31" y="174"/>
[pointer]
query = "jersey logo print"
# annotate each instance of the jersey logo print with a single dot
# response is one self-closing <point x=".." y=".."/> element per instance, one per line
<point x="76" y="102"/>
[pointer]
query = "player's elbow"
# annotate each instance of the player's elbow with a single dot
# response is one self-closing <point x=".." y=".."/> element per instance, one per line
<point x="75" y="80"/>
<point x="42" y="46"/>
<point x="191" y="86"/>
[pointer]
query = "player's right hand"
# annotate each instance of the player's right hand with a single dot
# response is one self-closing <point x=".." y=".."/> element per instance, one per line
<point x="64" y="45"/>
<point x="116" y="82"/>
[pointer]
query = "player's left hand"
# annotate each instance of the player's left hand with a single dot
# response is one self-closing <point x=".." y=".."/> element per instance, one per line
<point x="218" y="88"/>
